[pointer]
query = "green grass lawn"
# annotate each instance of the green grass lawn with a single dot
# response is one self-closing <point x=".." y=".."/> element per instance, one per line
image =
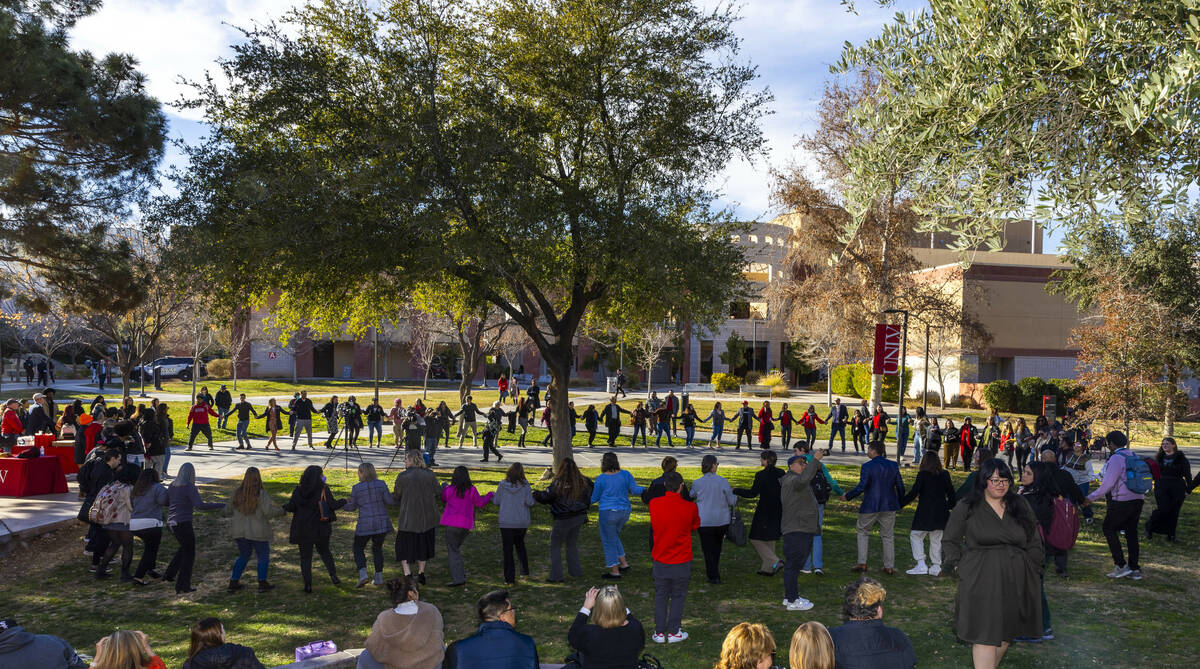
<point x="1098" y="622"/>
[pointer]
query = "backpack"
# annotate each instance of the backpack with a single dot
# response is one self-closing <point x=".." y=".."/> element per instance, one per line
<point x="1064" y="526"/>
<point x="820" y="487"/>
<point x="104" y="509"/>
<point x="1138" y="478"/>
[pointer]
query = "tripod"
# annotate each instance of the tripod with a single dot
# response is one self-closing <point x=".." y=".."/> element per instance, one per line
<point x="344" y="435"/>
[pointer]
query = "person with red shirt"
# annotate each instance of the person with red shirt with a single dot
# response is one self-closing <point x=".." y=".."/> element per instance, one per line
<point x="765" y="425"/>
<point x="968" y="441"/>
<point x="785" y="424"/>
<point x="672" y="521"/>
<point x="11" y="426"/>
<point x="808" y="420"/>
<point x="502" y="384"/>
<point x="198" y="420"/>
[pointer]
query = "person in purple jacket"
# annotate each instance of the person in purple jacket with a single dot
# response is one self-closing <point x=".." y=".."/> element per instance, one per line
<point x="882" y="488"/>
<point x="1124" y="508"/>
<point x="182" y="499"/>
<point x="461" y="500"/>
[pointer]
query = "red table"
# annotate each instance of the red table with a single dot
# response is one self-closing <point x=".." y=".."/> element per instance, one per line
<point x="25" y="477"/>
<point x="65" y="455"/>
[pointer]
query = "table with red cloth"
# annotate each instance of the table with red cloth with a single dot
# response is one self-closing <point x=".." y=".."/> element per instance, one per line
<point x="25" y="477"/>
<point x="65" y="455"/>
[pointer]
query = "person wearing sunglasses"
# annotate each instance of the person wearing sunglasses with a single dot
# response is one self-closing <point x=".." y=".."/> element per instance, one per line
<point x="992" y="543"/>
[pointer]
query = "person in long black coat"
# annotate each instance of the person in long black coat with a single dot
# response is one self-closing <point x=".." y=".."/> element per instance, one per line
<point x="936" y="496"/>
<point x="312" y="507"/>
<point x="765" y="526"/>
<point x="1171" y="488"/>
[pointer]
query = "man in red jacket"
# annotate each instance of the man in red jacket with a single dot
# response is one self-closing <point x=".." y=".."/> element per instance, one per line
<point x="11" y="426"/>
<point x="672" y="521"/>
<point x="198" y="420"/>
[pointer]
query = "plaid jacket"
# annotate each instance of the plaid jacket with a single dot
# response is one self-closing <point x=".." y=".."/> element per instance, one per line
<point x="372" y="500"/>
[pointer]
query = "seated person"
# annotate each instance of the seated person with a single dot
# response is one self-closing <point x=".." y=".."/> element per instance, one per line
<point x="497" y="644"/>
<point x="747" y="646"/>
<point x="209" y="650"/>
<point x="614" y="639"/>
<point x="864" y="642"/>
<point x="19" y="648"/>
<point x="408" y="636"/>
<point x="812" y="647"/>
<point x="126" y="649"/>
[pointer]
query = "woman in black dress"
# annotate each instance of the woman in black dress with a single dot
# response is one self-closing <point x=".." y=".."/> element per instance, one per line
<point x="1171" y="488"/>
<point x="934" y="492"/>
<point x="765" y="526"/>
<point x="992" y="543"/>
<point x="312" y="506"/>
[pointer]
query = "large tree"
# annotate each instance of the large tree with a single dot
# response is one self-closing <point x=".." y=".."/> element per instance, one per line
<point x="1087" y="110"/>
<point x="79" y="141"/>
<point x="553" y="156"/>
<point x="475" y="326"/>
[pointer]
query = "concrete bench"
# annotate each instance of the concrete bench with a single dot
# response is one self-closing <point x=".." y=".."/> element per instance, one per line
<point x="697" y="387"/>
<point x="757" y="391"/>
<point x="348" y="659"/>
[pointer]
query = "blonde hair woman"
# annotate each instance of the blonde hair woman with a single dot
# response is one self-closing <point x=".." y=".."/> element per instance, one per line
<point x="812" y="647"/>
<point x="126" y="649"/>
<point x="747" y="646"/>
<point x="371" y="498"/>
<point x="613" y="638"/>
<point x="252" y="510"/>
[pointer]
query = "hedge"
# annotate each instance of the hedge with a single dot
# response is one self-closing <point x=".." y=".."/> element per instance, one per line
<point x="855" y="380"/>
<point x="1000" y="395"/>
<point x="725" y="383"/>
<point x="1031" y="389"/>
<point x="842" y="381"/>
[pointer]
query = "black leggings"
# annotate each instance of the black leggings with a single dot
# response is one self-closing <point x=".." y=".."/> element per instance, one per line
<point x="514" y="538"/>
<point x="184" y="559"/>
<point x="122" y="539"/>
<point x="710" y="542"/>
<point x="151" y="538"/>
<point x="785" y="435"/>
<point x="306" y="556"/>
<point x="360" y="552"/>
<point x="1169" y="494"/>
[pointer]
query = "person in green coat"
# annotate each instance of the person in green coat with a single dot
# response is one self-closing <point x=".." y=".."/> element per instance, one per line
<point x="252" y="510"/>
<point x="992" y="544"/>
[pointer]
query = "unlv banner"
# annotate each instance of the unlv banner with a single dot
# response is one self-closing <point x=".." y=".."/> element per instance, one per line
<point x="887" y="349"/>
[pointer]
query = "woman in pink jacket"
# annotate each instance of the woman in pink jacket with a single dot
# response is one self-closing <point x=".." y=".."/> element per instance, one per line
<point x="461" y="500"/>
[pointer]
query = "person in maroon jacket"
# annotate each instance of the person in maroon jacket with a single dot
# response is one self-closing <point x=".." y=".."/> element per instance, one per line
<point x="968" y="441"/>
<point x="11" y="426"/>
<point x="198" y="420"/>
<point x="672" y="521"/>
<point x="785" y="424"/>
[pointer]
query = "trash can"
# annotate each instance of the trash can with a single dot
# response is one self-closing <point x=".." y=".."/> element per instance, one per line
<point x="610" y="385"/>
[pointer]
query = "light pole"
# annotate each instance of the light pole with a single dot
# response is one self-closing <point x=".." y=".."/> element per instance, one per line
<point x="375" y="362"/>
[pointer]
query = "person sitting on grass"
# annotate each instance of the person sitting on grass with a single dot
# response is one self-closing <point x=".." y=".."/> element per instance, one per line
<point x="126" y="649"/>
<point x="408" y="636"/>
<point x="812" y="647"/>
<point x="497" y="644"/>
<point x="613" y="639"/>
<point x="210" y="650"/>
<point x="864" y="641"/>
<point x="747" y="646"/>
<point x="19" y="648"/>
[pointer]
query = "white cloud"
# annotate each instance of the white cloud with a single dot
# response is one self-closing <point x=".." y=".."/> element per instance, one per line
<point x="172" y="39"/>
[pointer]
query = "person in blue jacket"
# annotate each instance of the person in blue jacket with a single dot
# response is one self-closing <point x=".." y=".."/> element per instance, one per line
<point x="880" y="485"/>
<point x="497" y="644"/>
<point x="611" y="495"/>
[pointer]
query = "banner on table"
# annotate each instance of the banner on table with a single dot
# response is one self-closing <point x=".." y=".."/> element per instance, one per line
<point x="887" y="349"/>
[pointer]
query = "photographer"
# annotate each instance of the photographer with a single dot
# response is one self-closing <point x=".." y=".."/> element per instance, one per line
<point x="331" y="414"/>
<point x="352" y="414"/>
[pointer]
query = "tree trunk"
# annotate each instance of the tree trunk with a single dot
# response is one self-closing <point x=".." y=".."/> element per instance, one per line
<point x="1172" y="391"/>
<point x="234" y="371"/>
<point x="828" y="385"/>
<point x="649" y="376"/>
<point x="425" y="387"/>
<point x="558" y="363"/>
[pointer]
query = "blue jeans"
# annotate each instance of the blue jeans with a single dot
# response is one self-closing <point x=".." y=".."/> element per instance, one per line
<point x="431" y="442"/>
<point x="223" y="419"/>
<point x="815" y="558"/>
<point x="689" y="432"/>
<point x="659" y="430"/>
<point x="1086" y="488"/>
<point x="243" y="428"/>
<point x="166" y="459"/>
<point x="374" y="427"/>
<point x="611" y="523"/>
<point x="718" y="432"/>
<point x="918" y="448"/>
<point x="836" y="429"/>
<point x="261" y="548"/>
<point x="901" y="442"/>
<point x="636" y="429"/>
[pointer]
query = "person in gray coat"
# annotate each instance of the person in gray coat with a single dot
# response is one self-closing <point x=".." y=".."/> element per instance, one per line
<point x="715" y="498"/>
<point x="416" y="492"/>
<point x="372" y="499"/>
<point x="799" y="524"/>
<point x="19" y="648"/>
<point x="514" y="496"/>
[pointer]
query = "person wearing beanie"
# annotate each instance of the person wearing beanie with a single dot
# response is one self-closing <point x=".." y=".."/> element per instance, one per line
<point x="1124" y="507"/>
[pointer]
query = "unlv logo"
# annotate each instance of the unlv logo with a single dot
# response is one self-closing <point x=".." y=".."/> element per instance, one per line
<point x="887" y="349"/>
<point x="3" y="475"/>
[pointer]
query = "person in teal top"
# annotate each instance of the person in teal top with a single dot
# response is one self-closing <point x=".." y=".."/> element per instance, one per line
<point x="611" y="494"/>
<point x="816" y="560"/>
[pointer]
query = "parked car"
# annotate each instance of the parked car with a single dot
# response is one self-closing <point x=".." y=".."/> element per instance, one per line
<point x="170" y="368"/>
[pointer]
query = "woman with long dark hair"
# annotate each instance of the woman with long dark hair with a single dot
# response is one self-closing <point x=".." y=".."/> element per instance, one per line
<point x="274" y="423"/>
<point x="462" y="499"/>
<point x="183" y="499"/>
<point x="252" y="509"/>
<point x="992" y="543"/>
<point x="149" y="498"/>
<point x="210" y="650"/>
<point x="569" y="496"/>
<point x="1038" y="488"/>
<point x="934" y="492"/>
<point x="119" y="535"/>
<point x="1024" y="438"/>
<point x="1171" y="488"/>
<point x="312" y="507"/>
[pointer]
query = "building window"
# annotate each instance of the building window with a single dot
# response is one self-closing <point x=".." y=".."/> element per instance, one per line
<point x="706" y="360"/>
<point x="753" y="239"/>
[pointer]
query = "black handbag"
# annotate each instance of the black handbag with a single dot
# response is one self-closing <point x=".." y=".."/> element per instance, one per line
<point x="737" y="527"/>
<point x="649" y="662"/>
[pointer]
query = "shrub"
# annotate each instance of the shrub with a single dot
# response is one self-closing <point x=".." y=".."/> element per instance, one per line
<point x="1066" y="390"/>
<point x="775" y="378"/>
<point x="964" y="402"/>
<point x="752" y="377"/>
<point x="725" y="383"/>
<point x="780" y="390"/>
<point x="1031" y="389"/>
<point x="931" y="398"/>
<point x="842" y="381"/>
<point x="817" y="387"/>
<point x="1000" y="395"/>
<point x="861" y="374"/>
<point x="220" y="368"/>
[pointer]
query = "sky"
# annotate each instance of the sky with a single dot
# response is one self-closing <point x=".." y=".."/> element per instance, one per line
<point x="792" y="42"/>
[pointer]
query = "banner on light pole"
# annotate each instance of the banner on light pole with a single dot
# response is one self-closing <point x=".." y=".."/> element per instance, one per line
<point x="887" y="349"/>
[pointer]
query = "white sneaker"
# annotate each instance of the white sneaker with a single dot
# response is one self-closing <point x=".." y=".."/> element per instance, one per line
<point x="801" y="604"/>
<point x="805" y="571"/>
<point x="919" y="570"/>
<point x="935" y="570"/>
<point x="659" y="637"/>
<point x="1120" y="572"/>
<point x="676" y="638"/>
